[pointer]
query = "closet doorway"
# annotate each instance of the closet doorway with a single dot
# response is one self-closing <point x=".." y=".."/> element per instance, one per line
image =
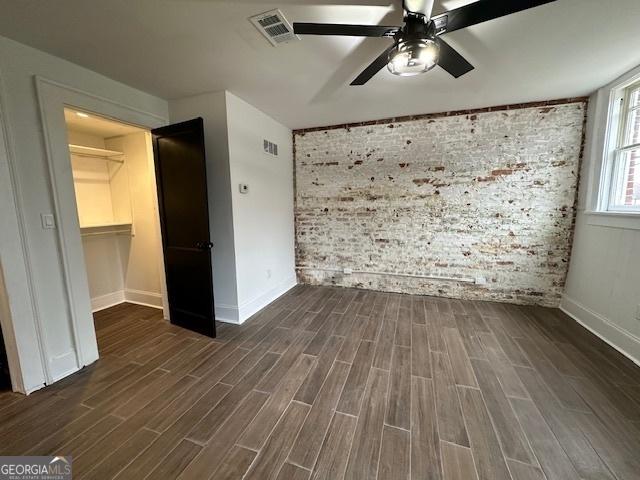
<point x="115" y="189"/>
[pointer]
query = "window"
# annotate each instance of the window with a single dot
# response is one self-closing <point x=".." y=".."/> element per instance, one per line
<point x="621" y="192"/>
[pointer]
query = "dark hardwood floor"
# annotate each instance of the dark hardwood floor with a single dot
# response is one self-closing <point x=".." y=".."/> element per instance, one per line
<point x="330" y="383"/>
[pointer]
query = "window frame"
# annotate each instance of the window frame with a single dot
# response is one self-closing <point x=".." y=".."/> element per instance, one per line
<point x="618" y="124"/>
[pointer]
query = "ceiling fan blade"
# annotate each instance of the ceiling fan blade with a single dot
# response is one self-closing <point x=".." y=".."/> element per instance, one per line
<point x="341" y="29"/>
<point x="419" y="7"/>
<point x="452" y="61"/>
<point x="481" y="11"/>
<point x="377" y="65"/>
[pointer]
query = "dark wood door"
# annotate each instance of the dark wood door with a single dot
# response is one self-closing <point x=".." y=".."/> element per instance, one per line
<point x="5" y="378"/>
<point x="184" y="219"/>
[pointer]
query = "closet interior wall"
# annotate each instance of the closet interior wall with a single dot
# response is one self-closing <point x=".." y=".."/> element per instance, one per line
<point x="117" y="210"/>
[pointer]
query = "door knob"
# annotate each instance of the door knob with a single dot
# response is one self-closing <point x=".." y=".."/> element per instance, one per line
<point x="204" y="245"/>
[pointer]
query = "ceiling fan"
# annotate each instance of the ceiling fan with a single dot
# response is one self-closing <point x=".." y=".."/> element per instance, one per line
<point x="417" y="45"/>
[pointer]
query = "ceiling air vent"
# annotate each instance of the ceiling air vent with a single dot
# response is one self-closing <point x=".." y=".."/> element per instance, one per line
<point x="274" y="27"/>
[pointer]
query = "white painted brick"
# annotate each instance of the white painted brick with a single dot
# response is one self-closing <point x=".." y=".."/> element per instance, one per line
<point x="490" y="194"/>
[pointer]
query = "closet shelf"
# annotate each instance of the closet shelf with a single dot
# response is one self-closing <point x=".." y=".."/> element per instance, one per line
<point x="105" y="229"/>
<point x="102" y="153"/>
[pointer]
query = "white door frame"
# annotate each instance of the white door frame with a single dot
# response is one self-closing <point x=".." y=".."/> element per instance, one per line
<point x="22" y="339"/>
<point x="53" y="97"/>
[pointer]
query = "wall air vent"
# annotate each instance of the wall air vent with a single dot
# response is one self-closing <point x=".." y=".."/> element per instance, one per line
<point x="274" y="27"/>
<point x="270" y="147"/>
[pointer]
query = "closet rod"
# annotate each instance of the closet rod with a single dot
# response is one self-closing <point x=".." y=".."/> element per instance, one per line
<point x="102" y="157"/>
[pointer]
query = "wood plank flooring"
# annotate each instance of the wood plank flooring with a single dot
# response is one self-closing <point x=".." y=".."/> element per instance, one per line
<point x="330" y="383"/>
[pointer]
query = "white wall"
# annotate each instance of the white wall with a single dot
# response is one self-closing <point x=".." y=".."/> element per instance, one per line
<point x="120" y="267"/>
<point x="105" y="272"/>
<point x="41" y="255"/>
<point x="212" y="108"/>
<point x="140" y="253"/>
<point x="603" y="286"/>
<point x="263" y="218"/>
<point x="101" y="253"/>
<point x="253" y="252"/>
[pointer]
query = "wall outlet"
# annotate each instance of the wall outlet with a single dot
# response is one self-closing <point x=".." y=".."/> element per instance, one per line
<point x="638" y="312"/>
<point x="244" y="188"/>
<point x="347" y="271"/>
<point x="481" y="281"/>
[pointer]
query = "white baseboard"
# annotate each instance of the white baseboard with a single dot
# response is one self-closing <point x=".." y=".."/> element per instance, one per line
<point x="34" y="388"/>
<point x="620" y="339"/>
<point x="106" y="301"/>
<point x="140" y="297"/>
<point x="224" y="313"/>
<point x="238" y="314"/>
<point x="259" y="302"/>
<point x="63" y="365"/>
<point x="227" y="313"/>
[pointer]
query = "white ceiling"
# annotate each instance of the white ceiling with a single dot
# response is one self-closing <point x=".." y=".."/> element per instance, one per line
<point x="96" y="125"/>
<point x="176" y="48"/>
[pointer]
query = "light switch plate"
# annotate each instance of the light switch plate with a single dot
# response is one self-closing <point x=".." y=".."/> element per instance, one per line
<point x="48" y="221"/>
<point x="244" y="188"/>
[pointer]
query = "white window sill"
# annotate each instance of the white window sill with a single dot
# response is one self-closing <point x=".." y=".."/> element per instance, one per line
<point x="625" y="220"/>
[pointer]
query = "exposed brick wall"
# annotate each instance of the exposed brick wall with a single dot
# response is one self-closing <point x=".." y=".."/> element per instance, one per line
<point x="486" y="193"/>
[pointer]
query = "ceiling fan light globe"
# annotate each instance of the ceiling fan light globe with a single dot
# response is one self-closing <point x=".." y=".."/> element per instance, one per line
<point x="400" y="61"/>
<point x="413" y="57"/>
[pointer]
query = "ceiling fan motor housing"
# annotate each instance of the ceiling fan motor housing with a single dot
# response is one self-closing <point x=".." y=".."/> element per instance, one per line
<point x="415" y="48"/>
<point x="416" y="27"/>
